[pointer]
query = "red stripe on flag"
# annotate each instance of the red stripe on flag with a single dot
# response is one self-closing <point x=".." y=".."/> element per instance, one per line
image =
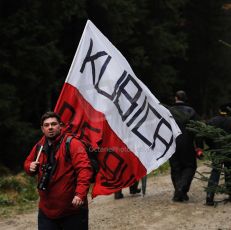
<point x="119" y="167"/>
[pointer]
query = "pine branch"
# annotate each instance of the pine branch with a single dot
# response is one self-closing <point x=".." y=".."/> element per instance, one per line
<point x="216" y="155"/>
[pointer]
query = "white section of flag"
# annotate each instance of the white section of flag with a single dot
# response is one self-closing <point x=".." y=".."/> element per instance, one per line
<point x="146" y="113"/>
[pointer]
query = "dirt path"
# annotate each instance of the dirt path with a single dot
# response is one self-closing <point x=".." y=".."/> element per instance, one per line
<point x="153" y="212"/>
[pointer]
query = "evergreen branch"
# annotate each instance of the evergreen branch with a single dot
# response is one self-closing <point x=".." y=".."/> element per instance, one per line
<point x="217" y="151"/>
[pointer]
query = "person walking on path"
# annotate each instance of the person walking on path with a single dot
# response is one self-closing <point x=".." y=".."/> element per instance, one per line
<point x="133" y="189"/>
<point x="63" y="180"/>
<point x="183" y="162"/>
<point x="222" y="121"/>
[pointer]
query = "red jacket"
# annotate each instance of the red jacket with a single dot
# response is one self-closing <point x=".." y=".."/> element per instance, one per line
<point x="71" y="177"/>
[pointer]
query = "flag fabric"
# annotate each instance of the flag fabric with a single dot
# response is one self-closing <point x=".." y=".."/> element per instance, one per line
<point x="106" y="104"/>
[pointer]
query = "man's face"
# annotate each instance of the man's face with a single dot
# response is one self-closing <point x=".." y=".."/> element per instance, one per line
<point x="51" y="128"/>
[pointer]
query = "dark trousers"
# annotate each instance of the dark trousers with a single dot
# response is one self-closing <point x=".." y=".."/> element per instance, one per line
<point x="182" y="175"/>
<point x="215" y="177"/>
<point x="133" y="188"/>
<point x="77" y="221"/>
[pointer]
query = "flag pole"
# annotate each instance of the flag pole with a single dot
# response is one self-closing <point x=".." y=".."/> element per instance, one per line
<point x="39" y="153"/>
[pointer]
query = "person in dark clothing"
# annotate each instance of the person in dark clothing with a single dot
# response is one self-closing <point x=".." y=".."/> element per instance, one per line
<point x="222" y="121"/>
<point x="133" y="189"/>
<point x="183" y="162"/>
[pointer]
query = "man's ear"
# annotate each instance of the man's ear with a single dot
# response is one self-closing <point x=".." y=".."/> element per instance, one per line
<point x="42" y="129"/>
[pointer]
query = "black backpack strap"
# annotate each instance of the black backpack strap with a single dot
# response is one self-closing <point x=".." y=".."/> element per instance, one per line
<point x="92" y="155"/>
<point x="67" y="146"/>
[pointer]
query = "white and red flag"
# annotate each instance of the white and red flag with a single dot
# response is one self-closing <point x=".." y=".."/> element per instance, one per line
<point x="108" y="105"/>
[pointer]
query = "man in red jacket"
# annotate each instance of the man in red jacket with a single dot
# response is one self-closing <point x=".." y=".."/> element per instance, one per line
<point x="63" y="180"/>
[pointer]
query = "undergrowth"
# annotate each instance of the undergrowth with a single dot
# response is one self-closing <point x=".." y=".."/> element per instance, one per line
<point x="17" y="194"/>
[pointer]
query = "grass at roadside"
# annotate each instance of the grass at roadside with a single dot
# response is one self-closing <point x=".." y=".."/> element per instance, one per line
<point x="164" y="168"/>
<point x="17" y="194"/>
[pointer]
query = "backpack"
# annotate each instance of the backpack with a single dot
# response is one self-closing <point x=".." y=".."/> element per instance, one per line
<point x="92" y="155"/>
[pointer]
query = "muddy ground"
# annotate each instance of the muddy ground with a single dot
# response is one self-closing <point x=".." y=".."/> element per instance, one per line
<point x="154" y="211"/>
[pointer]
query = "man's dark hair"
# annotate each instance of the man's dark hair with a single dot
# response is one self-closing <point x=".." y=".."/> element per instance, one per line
<point x="181" y="95"/>
<point x="48" y="115"/>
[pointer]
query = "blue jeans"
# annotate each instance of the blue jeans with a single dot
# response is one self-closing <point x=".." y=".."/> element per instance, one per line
<point x="77" y="221"/>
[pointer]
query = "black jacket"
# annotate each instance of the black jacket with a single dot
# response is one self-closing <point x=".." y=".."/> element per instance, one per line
<point x="222" y="122"/>
<point x="185" y="148"/>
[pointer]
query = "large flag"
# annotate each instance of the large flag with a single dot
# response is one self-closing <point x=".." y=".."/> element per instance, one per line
<point x="106" y="104"/>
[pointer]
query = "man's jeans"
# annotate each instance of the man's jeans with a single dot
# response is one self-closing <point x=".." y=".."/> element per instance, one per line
<point x="77" y="221"/>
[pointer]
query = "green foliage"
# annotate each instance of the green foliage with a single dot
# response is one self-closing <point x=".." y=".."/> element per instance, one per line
<point x="31" y="60"/>
<point x="29" y="192"/>
<point x="216" y="155"/>
<point x="10" y="183"/>
<point x="17" y="192"/>
<point x="162" y="169"/>
<point x="5" y="201"/>
<point x="201" y="129"/>
<point x="4" y="171"/>
<point x="169" y="44"/>
<point x="207" y="22"/>
<point x="160" y="45"/>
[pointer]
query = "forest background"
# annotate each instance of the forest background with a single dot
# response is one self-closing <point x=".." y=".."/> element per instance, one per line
<point x="171" y="45"/>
